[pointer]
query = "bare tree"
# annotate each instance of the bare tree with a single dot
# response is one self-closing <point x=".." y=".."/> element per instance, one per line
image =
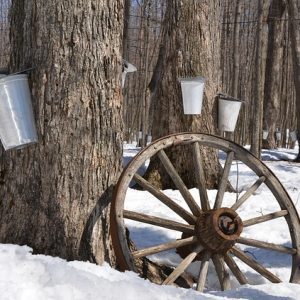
<point x="56" y="194"/>
<point x="261" y="36"/>
<point x="294" y="27"/>
<point x="273" y="78"/>
<point x="190" y="47"/>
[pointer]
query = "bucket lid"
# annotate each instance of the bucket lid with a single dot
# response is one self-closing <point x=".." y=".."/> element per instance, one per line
<point x="192" y="79"/>
<point x="229" y="98"/>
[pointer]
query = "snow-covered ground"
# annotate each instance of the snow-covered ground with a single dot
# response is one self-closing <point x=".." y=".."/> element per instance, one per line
<point x="39" y="277"/>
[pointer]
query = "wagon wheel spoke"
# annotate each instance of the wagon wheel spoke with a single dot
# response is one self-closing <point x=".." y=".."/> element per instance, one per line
<point x="182" y="266"/>
<point x="235" y="269"/>
<point x="203" y="271"/>
<point x="189" y="229"/>
<point x="211" y="224"/>
<point x="255" y="265"/>
<point x="222" y="273"/>
<point x="265" y="218"/>
<point x="163" y="247"/>
<point x="224" y="179"/>
<point x="265" y="245"/>
<point x="195" y="209"/>
<point x="200" y="178"/>
<point x="188" y="217"/>
<point x="249" y="192"/>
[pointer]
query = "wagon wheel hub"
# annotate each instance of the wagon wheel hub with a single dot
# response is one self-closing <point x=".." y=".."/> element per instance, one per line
<point x="218" y="229"/>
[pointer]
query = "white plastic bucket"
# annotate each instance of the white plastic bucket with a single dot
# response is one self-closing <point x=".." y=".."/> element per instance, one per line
<point x="192" y="94"/>
<point x="17" y="126"/>
<point x="228" y="114"/>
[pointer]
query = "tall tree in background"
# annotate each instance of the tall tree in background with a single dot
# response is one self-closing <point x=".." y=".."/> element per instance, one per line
<point x="260" y="63"/>
<point x="190" y="47"/>
<point x="236" y="52"/>
<point x="273" y="77"/>
<point x="294" y="28"/>
<point x="53" y="193"/>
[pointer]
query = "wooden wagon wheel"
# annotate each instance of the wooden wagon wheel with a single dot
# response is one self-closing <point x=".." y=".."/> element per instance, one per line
<point x="209" y="230"/>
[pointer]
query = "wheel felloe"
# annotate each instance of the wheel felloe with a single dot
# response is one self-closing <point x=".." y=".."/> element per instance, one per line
<point x="206" y="234"/>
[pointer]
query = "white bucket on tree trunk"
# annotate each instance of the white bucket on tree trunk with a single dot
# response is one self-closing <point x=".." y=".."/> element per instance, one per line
<point x="293" y="135"/>
<point x="265" y="134"/>
<point x="127" y="68"/>
<point x="192" y="94"/>
<point x="228" y="112"/>
<point x="278" y="135"/>
<point x="17" y="126"/>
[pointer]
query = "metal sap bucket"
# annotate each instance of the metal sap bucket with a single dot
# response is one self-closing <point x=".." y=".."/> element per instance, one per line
<point x="17" y="126"/>
<point x="192" y="94"/>
<point x="228" y="112"/>
<point x="265" y="134"/>
<point x="127" y="68"/>
<point x="293" y="136"/>
<point x="278" y="135"/>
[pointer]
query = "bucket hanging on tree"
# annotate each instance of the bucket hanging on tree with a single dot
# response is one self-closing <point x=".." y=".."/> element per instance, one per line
<point x="265" y="134"/>
<point x="17" y="126"/>
<point x="228" y="112"/>
<point x="293" y="136"/>
<point x="192" y="94"/>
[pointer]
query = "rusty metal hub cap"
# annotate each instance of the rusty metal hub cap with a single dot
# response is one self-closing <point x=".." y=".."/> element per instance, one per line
<point x="218" y="229"/>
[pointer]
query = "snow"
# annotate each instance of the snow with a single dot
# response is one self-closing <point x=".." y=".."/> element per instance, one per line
<point x="26" y="276"/>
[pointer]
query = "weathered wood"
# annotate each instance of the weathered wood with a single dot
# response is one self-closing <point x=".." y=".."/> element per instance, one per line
<point x="182" y="266"/>
<point x="224" y="179"/>
<point x="222" y="273"/>
<point x="163" y="247"/>
<point x="249" y="192"/>
<point x="264" y="245"/>
<point x="203" y="271"/>
<point x="235" y="269"/>
<point x="265" y="218"/>
<point x="200" y="177"/>
<point x="189" y="229"/>
<point x="179" y="183"/>
<point x="255" y="265"/>
<point x="258" y="167"/>
<point x="165" y="199"/>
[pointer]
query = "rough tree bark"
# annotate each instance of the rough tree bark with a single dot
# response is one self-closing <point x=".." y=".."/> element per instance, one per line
<point x="272" y="95"/>
<point x="260" y="63"/>
<point x="53" y="193"/>
<point x="294" y="28"/>
<point x="191" y="47"/>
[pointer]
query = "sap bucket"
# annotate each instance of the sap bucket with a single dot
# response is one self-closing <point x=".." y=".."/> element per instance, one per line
<point x="293" y="136"/>
<point x="127" y="68"/>
<point x="228" y="112"/>
<point x="278" y="135"/>
<point x="17" y="127"/>
<point x="192" y="94"/>
<point x="265" y="134"/>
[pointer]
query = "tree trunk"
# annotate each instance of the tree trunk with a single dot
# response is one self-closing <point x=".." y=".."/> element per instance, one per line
<point x="55" y="195"/>
<point x="261" y="36"/>
<point x="272" y="95"/>
<point x="236" y="52"/>
<point x="191" y="48"/>
<point x="294" y="28"/>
